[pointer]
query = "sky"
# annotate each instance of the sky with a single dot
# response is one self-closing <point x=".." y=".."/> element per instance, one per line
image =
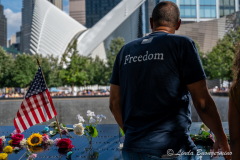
<point x="13" y="13"/>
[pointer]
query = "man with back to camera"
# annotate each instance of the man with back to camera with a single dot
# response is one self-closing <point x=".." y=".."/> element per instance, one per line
<point x="151" y="84"/>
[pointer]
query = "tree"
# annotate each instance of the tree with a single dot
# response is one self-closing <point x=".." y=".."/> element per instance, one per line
<point x="51" y="69"/>
<point x="75" y="73"/>
<point x="97" y="71"/>
<point x="25" y="68"/>
<point x="220" y="59"/>
<point x="54" y="77"/>
<point x="6" y="69"/>
<point x="114" y="48"/>
<point x="204" y="59"/>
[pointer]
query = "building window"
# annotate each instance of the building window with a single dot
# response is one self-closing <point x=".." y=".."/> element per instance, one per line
<point x="207" y="2"/>
<point x="188" y="8"/>
<point x="187" y="2"/>
<point x="207" y="8"/>
<point x="226" y="7"/>
<point x="172" y="1"/>
<point x="207" y="11"/>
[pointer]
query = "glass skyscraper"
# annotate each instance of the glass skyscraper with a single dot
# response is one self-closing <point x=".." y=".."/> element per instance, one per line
<point x="203" y="10"/>
<point x="96" y="9"/>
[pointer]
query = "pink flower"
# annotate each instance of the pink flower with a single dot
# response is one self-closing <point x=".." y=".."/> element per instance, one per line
<point x="64" y="131"/>
<point x="32" y="156"/>
<point x="45" y="138"/>
<point x="56" y="140"/>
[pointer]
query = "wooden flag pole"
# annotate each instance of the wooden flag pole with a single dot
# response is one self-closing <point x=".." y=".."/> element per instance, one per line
<point x="55" y="116"/>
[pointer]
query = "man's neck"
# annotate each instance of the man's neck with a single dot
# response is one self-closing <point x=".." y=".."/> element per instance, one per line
<point x="164" y="29"/>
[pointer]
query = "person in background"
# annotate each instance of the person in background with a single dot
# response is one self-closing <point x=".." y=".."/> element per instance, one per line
<point x="234" y="110"/>
<point x="153" y="80"/>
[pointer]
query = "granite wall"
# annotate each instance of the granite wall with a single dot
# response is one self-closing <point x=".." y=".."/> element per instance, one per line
<point x="68" y="108"/>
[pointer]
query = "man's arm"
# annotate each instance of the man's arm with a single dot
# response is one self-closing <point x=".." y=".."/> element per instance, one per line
<point x="234" y="129"/>
<point x="115" y="103"/>
<point x="208" y="112"/>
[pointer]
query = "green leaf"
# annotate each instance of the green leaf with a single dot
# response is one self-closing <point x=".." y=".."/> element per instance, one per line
<point x="70" y="129"/>
<point x="122" y="132"/>
<point x="95" y="133"/>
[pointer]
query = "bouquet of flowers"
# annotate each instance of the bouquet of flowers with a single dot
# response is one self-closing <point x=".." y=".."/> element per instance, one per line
<point x="90" y="130"/>
<point x="204" y="136"/>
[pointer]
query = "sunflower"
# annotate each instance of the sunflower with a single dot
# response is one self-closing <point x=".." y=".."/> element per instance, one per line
<point x="35" y="139"/>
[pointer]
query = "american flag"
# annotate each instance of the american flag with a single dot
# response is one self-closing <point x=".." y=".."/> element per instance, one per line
<point x="37" y="106"/>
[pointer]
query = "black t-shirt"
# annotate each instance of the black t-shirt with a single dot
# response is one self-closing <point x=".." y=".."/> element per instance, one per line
<point x="153" y="73"/>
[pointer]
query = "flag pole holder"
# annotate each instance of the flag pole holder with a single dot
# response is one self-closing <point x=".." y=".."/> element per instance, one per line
<point x="55" y="116"/>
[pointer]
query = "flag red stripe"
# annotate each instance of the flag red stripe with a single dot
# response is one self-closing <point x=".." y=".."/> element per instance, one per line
<point x="21" y="120"/>
<point x="32" y="110"/>
<point x="26" y="115"/>
<point x="16" y="126"/>
<point x="50" y="100"/>
<point x="45" y="106"/>
<point x="39" y="108"/>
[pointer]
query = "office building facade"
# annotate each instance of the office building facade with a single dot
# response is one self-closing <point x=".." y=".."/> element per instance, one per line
<point x="3" y="27"/>
<point x="57" y="3"/>
<point x="96" y="9"/>
<point x="77" y="10"/>
<point x="27" y="15"/>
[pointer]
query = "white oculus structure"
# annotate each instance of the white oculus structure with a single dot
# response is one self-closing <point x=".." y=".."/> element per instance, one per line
<point x="53" y="29"/>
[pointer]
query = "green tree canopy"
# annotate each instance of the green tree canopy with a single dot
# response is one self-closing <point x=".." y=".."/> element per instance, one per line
<point x="6" y="69"/>
<point x="75" y="72"/>
<point x="114" y="48"/>
<point x="220" y="59"/>
<point x="25" y="68"/>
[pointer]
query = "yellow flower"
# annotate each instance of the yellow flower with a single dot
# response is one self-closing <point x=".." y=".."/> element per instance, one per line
<point x="8" y="149"/>
<point x="35" y="139"/>
<point x="3" y="156"/>
<point x="10" y="142"/>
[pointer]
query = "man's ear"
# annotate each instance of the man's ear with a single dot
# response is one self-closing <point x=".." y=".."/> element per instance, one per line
<point x="179" y="24"/>
<point x="151" y="22"/>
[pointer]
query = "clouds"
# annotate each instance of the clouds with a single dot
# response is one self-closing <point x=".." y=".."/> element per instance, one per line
<point x="14" y="21"/>
<point x="66" y="6"/>
<point x="66" y="9"/>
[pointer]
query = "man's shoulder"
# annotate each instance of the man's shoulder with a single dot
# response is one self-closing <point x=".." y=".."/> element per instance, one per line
<point x="133" y="42"/>
<point x="180" y="37"/>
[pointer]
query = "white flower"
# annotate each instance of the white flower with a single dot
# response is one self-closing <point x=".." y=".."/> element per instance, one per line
<point x="80" y="118"/>
<point x="3" y="138"/>
<point x="90" y="114"/>
<point x="92" y="120"/>
<point x="120" y="146"/>
<point x="103" y="116"/>
<point x="50" y="142"/>
<point x="78" y="129"/>
<point x="52" y="124"/>
<point x="99" y="118"/>
<point x="16" y="149"/>
<point x="23" y="142"/>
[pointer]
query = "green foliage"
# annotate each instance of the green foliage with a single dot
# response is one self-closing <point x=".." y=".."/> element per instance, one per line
<point x="25" y="68"/>
<point x="6" y="68"/>
<point x="222" y="56"/>
<point x="97" y="72"/>
<point x="92" y="131"/>
<point x="204" y="59"/>
<point x="75" y="73"/>
<point x="218" y="63"/>
<point x="115" y="47"/>
<point x="121" y="131"/>
<point x="73" y="69"/>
